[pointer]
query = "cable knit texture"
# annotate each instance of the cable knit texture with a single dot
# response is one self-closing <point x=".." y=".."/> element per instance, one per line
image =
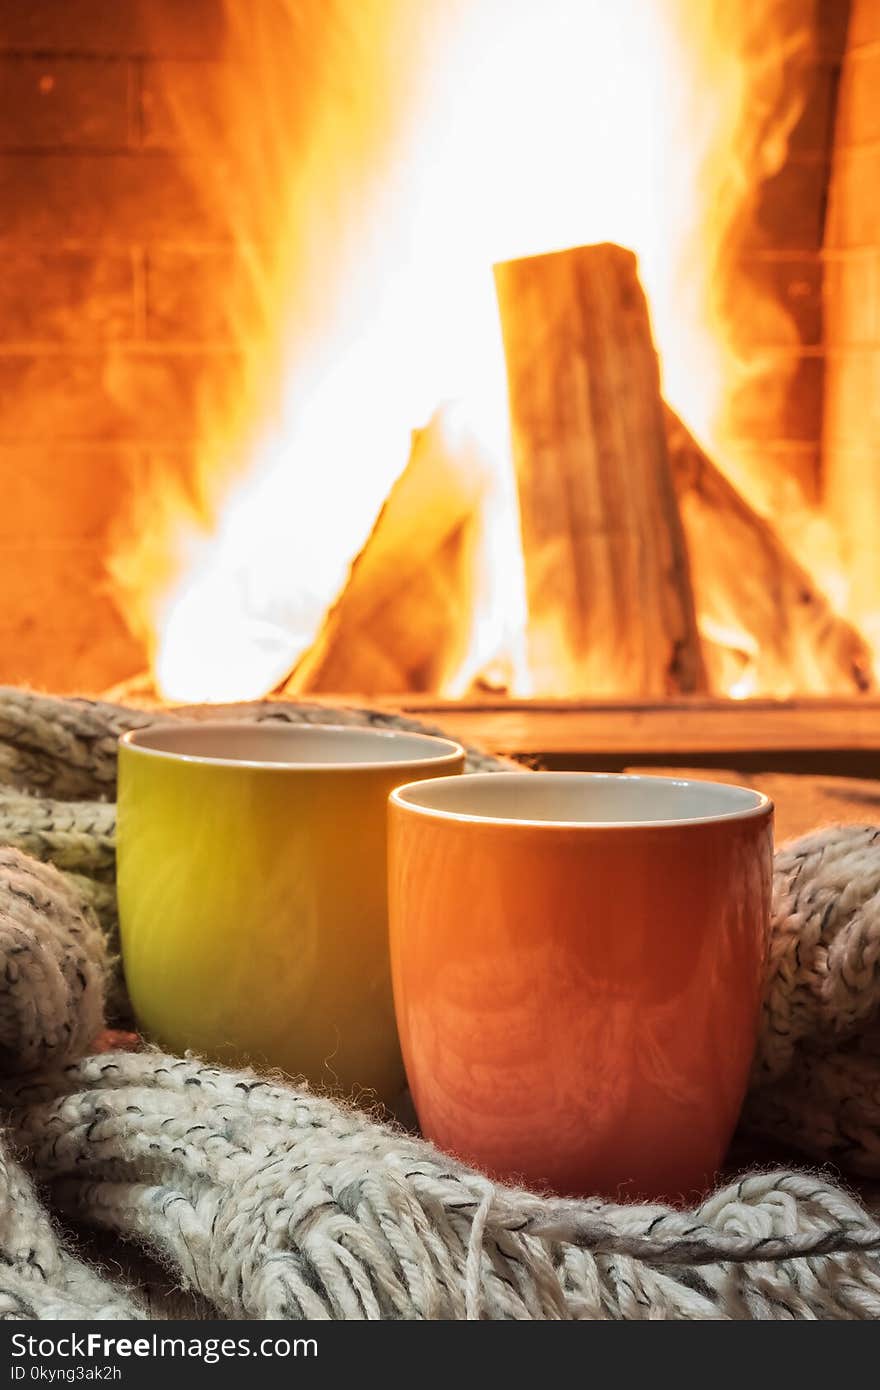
<point x="268" y="1201"/>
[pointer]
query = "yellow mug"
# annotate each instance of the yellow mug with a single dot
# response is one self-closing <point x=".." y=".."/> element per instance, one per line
<point x="252" y="892"/>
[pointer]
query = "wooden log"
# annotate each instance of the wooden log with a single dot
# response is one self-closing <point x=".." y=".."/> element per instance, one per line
<point x="767" y="628"/>
<point x="401" y="622"/>
<point x="610" y="602"/>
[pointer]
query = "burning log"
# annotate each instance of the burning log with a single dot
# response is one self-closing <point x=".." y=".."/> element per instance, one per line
<point x="751" y="587"/>
<point x="401" y="622"/>
<point x="608" y="582"/>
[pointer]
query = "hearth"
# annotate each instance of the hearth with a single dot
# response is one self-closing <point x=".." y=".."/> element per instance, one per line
<point x="513" y="363"/>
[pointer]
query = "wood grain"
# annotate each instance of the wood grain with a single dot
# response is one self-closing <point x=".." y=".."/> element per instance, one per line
<point x="748" y="584"/>
<point x="630" y="728"/>
<point x="401" y="620"/>
<point x="607" y="577"/>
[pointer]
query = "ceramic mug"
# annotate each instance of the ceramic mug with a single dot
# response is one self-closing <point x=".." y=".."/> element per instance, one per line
<point x="252" y="892"/>
<point x="578" y="962"/>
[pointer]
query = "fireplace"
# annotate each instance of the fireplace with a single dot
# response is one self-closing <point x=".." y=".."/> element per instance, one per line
<point x="259" y="433"/>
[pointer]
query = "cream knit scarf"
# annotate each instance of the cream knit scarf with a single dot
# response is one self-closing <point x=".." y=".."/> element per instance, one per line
<point x="268" y="1201"/>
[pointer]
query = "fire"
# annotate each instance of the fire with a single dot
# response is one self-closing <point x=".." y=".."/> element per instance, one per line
<point x="371" y="162"/>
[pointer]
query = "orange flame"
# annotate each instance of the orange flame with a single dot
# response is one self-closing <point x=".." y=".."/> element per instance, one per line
<point x="370" y="162"/>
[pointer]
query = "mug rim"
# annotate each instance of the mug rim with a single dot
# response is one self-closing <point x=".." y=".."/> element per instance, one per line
<point x="452" y="752"/>
<point x="402" y="798"/>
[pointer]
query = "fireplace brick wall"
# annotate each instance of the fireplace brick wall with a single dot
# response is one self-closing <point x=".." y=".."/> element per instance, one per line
<point x="103" y="326"/>
<point x="774" y="419"/>
<point x="108" y="324"/>
<point x="852" y="311"/>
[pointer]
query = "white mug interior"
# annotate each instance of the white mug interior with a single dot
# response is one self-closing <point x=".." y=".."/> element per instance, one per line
<point x="289" y="745"/>
<point x="580" y="799"/>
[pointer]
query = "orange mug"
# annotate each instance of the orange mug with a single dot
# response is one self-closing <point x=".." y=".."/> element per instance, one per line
<point x="577" y="962"/>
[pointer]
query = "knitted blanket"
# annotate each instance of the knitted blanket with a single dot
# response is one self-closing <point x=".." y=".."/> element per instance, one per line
<point x="265" y="1200"/>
